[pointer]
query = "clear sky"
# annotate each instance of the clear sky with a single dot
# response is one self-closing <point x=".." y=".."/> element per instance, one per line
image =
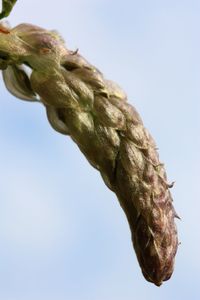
<point x="63" y="234"/>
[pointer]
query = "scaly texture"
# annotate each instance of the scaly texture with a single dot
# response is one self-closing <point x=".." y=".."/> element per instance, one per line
<point x="81" y="103"/>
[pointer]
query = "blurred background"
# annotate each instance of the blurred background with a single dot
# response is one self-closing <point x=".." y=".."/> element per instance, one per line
<point x="63" y="234"/>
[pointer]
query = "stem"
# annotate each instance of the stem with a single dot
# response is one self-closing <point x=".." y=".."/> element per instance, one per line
<point x="7" y="6"/>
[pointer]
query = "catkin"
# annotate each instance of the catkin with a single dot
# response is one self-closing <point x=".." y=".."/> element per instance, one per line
<point x="81" y="103"/>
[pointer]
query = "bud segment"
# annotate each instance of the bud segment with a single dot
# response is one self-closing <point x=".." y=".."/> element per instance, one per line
<point x="81" y="103"/>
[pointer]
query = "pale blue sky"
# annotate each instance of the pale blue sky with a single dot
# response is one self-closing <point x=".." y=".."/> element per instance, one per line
<point x="62" y="232"/>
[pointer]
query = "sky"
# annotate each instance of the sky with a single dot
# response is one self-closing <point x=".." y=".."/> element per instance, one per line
<point x="63" y="234"/>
